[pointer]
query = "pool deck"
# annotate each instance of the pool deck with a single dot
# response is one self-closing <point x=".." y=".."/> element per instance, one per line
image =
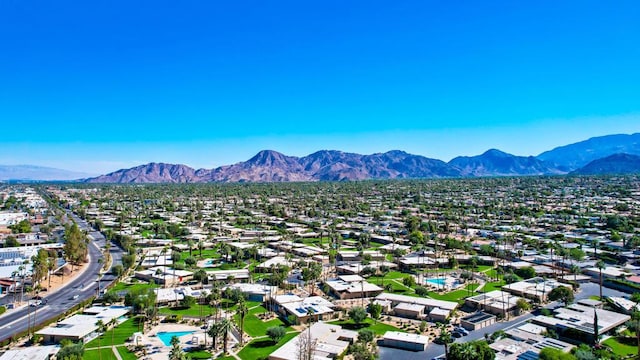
<point x="153" y="342"/>
<point x="450" y="283"/>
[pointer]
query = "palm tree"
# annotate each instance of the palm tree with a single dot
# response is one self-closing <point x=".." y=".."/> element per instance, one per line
<point x="113" y="322"/>
<point x="446" y="339"/>
<point x="575" y="270"/>
<point x="225" y="325"/>
<point x="242" y="311"/>
<point x="164" y="253"/>
<point x="214" y="332"/>
<point x="601" y="265"/>
<point x="100" y="325"/>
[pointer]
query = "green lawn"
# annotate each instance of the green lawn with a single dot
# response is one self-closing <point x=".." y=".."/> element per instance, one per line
<point x="107" y="354"/>
<point x="121" y="333"/>
<point x="193" y="311"/>
<point x="256" y="327"/>
<point x="490" y="286"/>
<point x="379" y="328"/>
<point x="622" y="346"/>
<point x="455" y="295"/>
<point x="126" y="354"/>
<point x="141" y="285"/>
<point x="261" y="348"/>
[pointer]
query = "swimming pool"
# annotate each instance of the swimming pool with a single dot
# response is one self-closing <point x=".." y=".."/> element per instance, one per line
<point x="165" y="337"/>
<point x="437" y="281"/>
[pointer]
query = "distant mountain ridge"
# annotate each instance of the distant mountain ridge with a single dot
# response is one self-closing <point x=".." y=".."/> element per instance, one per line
<point x="38" y="173"/>
<point x="332" y="165"/>
<point x="616" y="164"/>
<point x="574" y="156"/>
<point x="592" y="156"/>
<point x="497" y="163"/>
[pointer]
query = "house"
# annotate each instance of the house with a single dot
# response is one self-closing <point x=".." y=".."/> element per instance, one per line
<point x="477" y="321"/>
<point x="495" y="302"/>
<point x="407" y="341"/>
<point x="31" y="353"/>
<point x="82" y="326"/>
<point x="410" y="306"/>
<point x="577" y="321"/>
<point x="536" y="288"/>
<point x="300" y="311"/>
<point x="352" y="287"/>
<point x="164" y="275"/>
<point x="331" y="342"/>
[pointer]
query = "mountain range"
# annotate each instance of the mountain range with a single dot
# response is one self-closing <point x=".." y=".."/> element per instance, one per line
<point x="612" y="154"/>
<point x="38" y="173"/>
<point x="601" y="155"/>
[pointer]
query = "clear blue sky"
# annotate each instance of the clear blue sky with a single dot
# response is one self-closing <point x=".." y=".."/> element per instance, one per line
<point x="100" y="85"/>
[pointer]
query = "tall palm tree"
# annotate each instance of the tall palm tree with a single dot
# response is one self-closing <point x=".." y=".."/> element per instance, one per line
<point x="575" y="270"/>
<point x="214" y="332"/>
<point x="225" y="325"/>
<point x="113" y="322"/>
<point x="601" y="265"/>
<point x="446" y="339"/>
<point x="242" y="311"/>
<point x="100" y="325"/>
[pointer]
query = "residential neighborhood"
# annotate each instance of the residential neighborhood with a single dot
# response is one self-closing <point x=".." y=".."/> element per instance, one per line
<point x="379" y="269"/>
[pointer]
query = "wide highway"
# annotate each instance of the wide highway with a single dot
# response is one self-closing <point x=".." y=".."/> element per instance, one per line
<point x="56" y="303"/>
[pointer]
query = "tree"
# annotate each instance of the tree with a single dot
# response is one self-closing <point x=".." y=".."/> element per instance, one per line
<point x="375" y="310"/>
<point x="361" y="351"/>
<point x="601" y="266"/>
<point x="242" y="311"/>
<point x="188" y="301"/>
<point x="75" y="246"/>
<point x="70" y="350"/>
<point x="276" y="333"/>
<point x="225" y="326"/>
<point x="176" y="351"/>
<point x="305" y="345"/>
<point x="11" y="241"/>
<point x="366" y="335"/>
<point x="117" y="270"/>
<point x="100" y="325"/>
<point x="312" y="273"/>
<point x="357" y="314"/>
<point x="473" y="350"/>
<point x="555" y="354"/>
<point x="445" y="338"/>
<point x="562" y="293"/>
<point x="409" y="281"/>
<point x="526" y="272"/>
<point x="522" y="305"/>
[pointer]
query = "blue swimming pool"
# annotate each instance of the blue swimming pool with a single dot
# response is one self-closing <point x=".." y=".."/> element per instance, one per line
<point x="437" y="281"/>
<point x="165" y="337"/>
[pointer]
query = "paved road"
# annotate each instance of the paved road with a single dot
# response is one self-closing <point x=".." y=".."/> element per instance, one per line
<point x="434" y="350"/>
<point x="84" y="285"/>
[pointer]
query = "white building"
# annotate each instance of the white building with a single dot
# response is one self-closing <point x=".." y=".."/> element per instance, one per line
<point x="331" y="341"/>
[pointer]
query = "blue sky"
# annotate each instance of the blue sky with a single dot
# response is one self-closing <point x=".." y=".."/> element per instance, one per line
<point x="101" y="85"/>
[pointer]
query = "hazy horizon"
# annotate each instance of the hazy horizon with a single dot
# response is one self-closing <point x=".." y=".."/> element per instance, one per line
<point x="97" y="87"/>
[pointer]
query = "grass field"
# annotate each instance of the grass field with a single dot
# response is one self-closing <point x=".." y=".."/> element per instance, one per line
<point x="261" y="348"/>
<point x="141" y="285"/>
<point x="256" y="327"/>
<point x="622" y="346"/>
<point x="126" y="354"/>
<point x="121" y="333"/>
<point x="455" y="295"/>
<point x="107" y="354"/>
<point x="378" y="328"/>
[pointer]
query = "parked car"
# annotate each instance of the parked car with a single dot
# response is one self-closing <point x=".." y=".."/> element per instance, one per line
<point x="461" y="330"/>
<point x="456" y="334"/>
